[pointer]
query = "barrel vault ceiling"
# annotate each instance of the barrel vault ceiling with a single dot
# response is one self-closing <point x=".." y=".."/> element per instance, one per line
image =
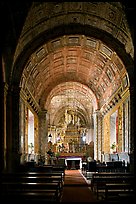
<point x="71" y="71"/>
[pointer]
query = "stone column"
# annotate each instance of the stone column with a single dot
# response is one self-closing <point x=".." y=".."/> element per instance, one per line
<point x="97" y="135"/>
<point x="22" y="125"/>
<point x="3" y="93"/>
<point x="12" y="121"/>
<point x="43" y="132"/>
<point x="132" y="132"/>
<point x="53" y="132"/>
<point x="89" y="135"/>
<point x="130" y="70"/>
<point x="100" y="136"/>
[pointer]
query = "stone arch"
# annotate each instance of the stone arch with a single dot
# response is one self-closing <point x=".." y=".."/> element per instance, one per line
<point x="26" y="47"/>
<point x="22" y="56"/>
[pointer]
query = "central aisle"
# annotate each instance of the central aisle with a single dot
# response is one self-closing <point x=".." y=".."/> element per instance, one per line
<point x="76" y="188"/>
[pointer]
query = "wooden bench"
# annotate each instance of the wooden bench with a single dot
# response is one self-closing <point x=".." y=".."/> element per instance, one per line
<point x="12" y="188"/>
<point x="105" y="175"/>
<point x="30" y="196"/>
<point x="39" y="179"/>
<point x="35" y="174"/>
<point x="116" y="189"/>
<point x="45" y="180"/>
<point x="60" y="169"/>
<point x="44" y="174"/>
<point x="99" y="180"/>
<point x="32" y="186"/>
<point x="126" y="196"/>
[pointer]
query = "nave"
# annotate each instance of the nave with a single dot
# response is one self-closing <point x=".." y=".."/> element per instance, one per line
<point x="57" y="184"/>
<point x="67" y="94"/>
<point x="76" y="188"/>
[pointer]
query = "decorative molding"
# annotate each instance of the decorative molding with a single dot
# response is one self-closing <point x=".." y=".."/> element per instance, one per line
<point x="28" y="97"/>
<point x="107" y="17"/>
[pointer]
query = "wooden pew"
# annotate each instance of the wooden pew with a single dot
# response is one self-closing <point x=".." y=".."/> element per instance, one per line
<point x="99" y="180"/>
<point x="108" y="174"/>
<point x="35" y="179"/>
<point x="60" y="169"/>
<point x="35" y="196"/>
<point x="18" y="187"/>
<point x="34" y="182"/>
<point x="36" y="174"/>
<point x="31" y="167"/>
<point x="117" y="189"/>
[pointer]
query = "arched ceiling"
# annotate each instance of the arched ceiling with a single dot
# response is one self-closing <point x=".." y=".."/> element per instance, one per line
<point x="73" y="70"/>
<point x="69" y="90"/>
<point x="73" y="59"/>
<point x="71" y="96"/>
<point x="105" y="16"/>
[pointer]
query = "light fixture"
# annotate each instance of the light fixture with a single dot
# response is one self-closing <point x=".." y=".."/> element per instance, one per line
<point x="50" y="135"/>
<point x="50" y="128"/>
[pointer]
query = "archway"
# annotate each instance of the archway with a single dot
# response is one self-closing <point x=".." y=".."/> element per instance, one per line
<point x="87" y="58"/>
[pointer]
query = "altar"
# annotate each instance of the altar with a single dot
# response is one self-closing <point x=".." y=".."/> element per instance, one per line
<point x="73" y="163"/>
<point x="72" y="160"/>
<point x="70" y="146"/>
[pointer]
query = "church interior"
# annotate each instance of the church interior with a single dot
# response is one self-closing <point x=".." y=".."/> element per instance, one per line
<point x="67" y="85"/>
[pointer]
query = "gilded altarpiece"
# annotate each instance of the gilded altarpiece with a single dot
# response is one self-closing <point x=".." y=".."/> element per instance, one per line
<point x="126" y="137"/>
<point x="99" y="132"/>
<point x="97" y="135"/>
<point x="106" y="139"/>
<point x="26" y="130"/>
<point x="36" y="138"/>
<point x="120" y="122"/>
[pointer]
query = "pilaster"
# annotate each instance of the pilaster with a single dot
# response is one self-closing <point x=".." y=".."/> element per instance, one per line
<point x="132" y="128"/>
<point x="43" y="137"/>
<point x="4" y="89"/>
<point x="97" y="135"/>
<point x="130" y="70"/>
<point x="12" y="121"/>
